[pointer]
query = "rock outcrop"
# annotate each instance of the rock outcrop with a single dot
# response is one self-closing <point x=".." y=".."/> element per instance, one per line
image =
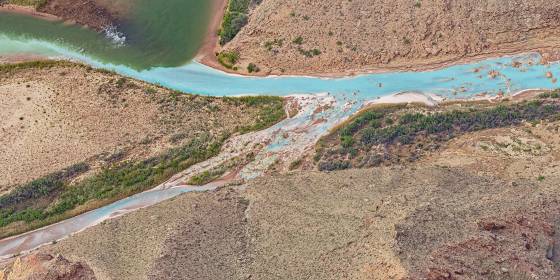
<point x="46" y="267"/>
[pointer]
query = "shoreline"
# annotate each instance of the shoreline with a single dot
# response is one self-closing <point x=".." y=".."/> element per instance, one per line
<point x="418" y="67"/>
<point x="207" y="52"/>
<point x="28" y="11"/>
<point x="431" y="99"/>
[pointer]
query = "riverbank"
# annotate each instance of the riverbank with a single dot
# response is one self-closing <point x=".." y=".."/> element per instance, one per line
<point x="115" y="127"/>
<point x="337" y="40"/>
<point x="27" y="10"/>
<point x="207" y="53"/>
<point x="89" y="13"/>
<point x="393" y="132"/>
<point x="547" y="49"/>
<point x="288" y="146"/>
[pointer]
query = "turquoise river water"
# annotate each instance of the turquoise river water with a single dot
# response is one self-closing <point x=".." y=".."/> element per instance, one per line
<point x="156" y="64"/>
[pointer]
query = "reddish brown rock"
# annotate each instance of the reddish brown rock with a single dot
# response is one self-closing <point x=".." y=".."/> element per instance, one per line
<point x="46" y="267"/>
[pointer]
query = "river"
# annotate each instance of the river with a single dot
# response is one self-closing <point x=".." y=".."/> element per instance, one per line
<point x="167" y="68"/>
<point x="148" y="33"/>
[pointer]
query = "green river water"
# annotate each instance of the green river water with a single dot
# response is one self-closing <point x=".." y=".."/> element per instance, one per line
<point x="157" y="33"/>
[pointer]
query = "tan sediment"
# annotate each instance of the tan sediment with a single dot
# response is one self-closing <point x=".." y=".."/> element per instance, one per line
<point x="207" y="53"/>
<point x="18" y="58"/>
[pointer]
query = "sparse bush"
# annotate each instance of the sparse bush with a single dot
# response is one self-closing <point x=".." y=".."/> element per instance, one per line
<point x="150" y="90"/>
<point x="389" y="131"/>
<point x="121" y="82"/>
<point x="346" y="141"/>
<point x="228" y="59"/>
<point x="235" y="18"/>
<point x="333" y="165"/>
<point x="295" y="164"/>
<point x="309" y="53"/>
<point x="271" y="44"/>
<point x="252" y="68"/>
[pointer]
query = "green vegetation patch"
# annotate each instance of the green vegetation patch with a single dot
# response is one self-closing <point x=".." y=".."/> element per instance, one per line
<point x="41" y="188"/>
<point x="309" y="53"/>
<point x="206" y="177"/>
<point x="385" y="134"/>
<point x="253" y="68"/>
<point x="235" y="18"/>
<point x="111" y="184"/>
<point x="555" y="94"/>
<point x="269" y="45"/>
<point x="449" y="124"/>
<point x="228" y="59"/>
<point x="271" y="111"/>
<point x="60" y="195"/>
<point x="42" y="64"/>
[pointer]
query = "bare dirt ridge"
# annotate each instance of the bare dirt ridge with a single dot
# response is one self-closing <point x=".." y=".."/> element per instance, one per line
<point x="381" y="35"/>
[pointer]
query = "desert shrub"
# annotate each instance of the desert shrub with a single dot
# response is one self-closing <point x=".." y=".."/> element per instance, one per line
<point x="271" y="44"/>
<point x="42" y="187"/>
<point x="346" y="141"/>
<point x="228" y="59"/>
<point x="553" y="94"/>
<point x="456" y="122"/>
<point x="309" y="53"/>
<point x="333" y="165"/>
<point x="111" y="183"/>
<point x="295" y="164"/>
<point x="235" y="18"/>
<point x="206" y="177"/>
<point x="252" y="68"/>
<point x="121" y="82"/>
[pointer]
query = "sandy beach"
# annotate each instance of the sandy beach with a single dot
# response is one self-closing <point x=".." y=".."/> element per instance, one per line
<point x="207" y="53"/>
